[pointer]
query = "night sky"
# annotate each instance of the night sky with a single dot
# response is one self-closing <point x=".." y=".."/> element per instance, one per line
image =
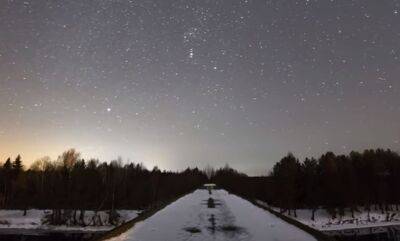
<point x="189" y="83"/>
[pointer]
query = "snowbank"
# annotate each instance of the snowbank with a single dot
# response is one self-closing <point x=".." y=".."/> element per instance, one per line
<point x="14" y="219"/>
<point x="323" y="220"/>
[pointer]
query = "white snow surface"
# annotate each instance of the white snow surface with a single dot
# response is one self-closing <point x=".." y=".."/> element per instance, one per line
<point x="14" y="219"/>
<point x="323" y="220"/>
<point x="250" y="222"/>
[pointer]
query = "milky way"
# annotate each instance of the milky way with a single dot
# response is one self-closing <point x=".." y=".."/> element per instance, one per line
<point x="185" y="83"/>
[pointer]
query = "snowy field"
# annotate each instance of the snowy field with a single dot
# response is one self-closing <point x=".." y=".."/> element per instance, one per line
<point x="323" y="220"/>
<point x="219" y="216"/>
<point x="14" y="219"/>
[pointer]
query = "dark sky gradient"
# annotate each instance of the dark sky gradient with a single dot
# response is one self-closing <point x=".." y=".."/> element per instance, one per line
<point x="184" y="83"/>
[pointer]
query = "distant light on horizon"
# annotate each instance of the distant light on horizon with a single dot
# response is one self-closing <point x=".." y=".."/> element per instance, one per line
<point x="178" y="84"/>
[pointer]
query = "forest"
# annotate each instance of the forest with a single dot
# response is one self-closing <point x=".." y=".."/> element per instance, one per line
<point x="69" y="184"/>
<point x="335" y="182"/>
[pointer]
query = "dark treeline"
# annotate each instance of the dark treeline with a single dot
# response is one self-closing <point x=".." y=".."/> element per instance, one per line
<point x="334" y="182"/>
<point x="239" y="183"/>
<point x="72" y="184"/>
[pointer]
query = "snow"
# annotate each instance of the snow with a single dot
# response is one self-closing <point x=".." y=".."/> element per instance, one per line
<point x="323" y="220"/>
<point x="195" y="218"/>
<point x="14" y="219"/>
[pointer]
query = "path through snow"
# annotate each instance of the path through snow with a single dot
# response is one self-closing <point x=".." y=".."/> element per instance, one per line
<point x="220" y="216"/>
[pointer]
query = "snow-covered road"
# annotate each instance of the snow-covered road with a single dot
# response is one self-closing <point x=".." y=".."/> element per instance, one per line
<point x="220" y="216"/>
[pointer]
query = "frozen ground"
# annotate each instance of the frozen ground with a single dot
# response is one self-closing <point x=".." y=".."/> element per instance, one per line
<point x="14" y="219"/>
<point x="323" y="220"/>
<point x="219" y="216"/>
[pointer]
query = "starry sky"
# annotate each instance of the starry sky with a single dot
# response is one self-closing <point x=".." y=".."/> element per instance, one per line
<point x="179" y="83"/>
